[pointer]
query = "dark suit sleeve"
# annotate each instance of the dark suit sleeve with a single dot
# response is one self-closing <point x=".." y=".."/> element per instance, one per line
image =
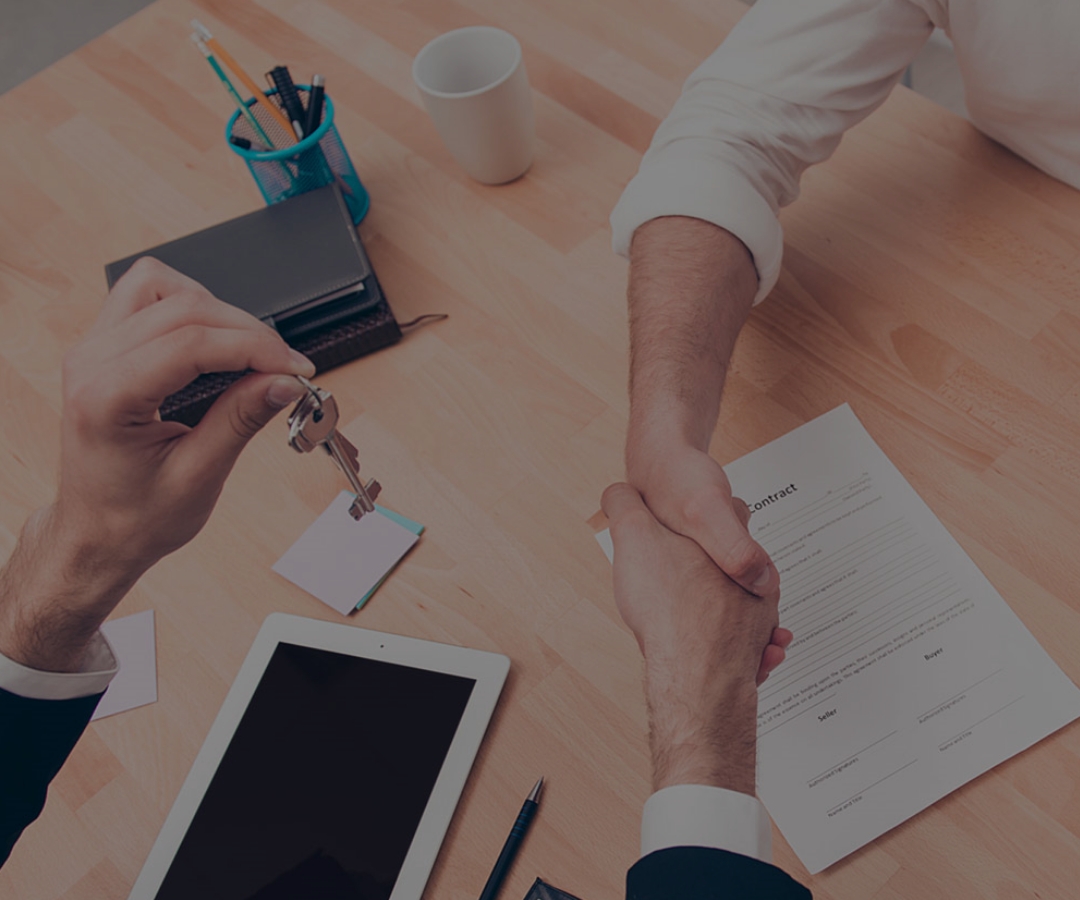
<point x="702" y="873"/>
<point x="36" y="737"/>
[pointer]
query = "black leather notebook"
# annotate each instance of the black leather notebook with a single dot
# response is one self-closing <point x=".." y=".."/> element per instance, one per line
<point x="298" y="265"/>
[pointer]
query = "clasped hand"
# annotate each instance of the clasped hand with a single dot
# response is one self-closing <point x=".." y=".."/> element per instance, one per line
<point x="707" y="644"/>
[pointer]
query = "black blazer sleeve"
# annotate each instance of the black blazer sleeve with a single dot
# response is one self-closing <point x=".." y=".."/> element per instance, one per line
<point x="702" y="873"/>
<point x="36" y="737"/>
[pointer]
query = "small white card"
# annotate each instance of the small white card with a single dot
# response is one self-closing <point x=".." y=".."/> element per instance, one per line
<point x="603" y="538"/>
<point x="340" y="560"/>
<point x="132" y="641"/>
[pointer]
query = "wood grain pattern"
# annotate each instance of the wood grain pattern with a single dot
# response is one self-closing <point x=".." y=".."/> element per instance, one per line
<point x="932" y="280"/>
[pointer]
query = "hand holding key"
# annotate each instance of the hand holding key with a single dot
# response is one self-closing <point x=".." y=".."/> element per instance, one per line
<point x="313" y="423"/>
<point x="132" y="487"/>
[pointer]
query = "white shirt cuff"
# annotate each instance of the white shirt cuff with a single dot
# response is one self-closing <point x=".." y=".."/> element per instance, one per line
<point x="697" y="815"/>
<point x="686" y="185"/>
<point x="98" y="669"/>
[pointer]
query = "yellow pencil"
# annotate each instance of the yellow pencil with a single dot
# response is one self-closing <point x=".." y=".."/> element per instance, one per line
<point x="224" y="56"/>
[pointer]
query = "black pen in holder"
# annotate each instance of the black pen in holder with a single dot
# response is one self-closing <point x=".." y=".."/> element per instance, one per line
<point x="296" y="167"/>
<point x="290" y="99"/>
<point x="314" y="111"/>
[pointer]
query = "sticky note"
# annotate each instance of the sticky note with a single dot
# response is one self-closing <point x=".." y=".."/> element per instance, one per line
<point x="415" y="527"/>
<point x="342" y="561"/>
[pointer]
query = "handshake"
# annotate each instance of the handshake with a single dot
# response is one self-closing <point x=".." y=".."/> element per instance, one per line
<point x="701" y="596"/>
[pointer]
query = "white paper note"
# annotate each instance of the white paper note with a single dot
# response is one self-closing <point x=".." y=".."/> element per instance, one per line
<point x="339" y="560"/>
<point x="132" y="641"/>
<point x="909" y="674"/>
<point x="603" y="538"/>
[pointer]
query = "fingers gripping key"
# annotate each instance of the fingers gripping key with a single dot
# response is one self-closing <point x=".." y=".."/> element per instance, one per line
<point x="313" y="423"/>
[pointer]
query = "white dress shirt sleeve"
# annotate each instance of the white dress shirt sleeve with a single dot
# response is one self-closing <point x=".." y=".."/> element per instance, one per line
<point x="697" y="815"/>
<point x="98" y="669"/>
<point x="775" y="98"/>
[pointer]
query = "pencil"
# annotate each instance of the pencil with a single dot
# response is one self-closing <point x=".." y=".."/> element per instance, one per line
<point x="204" y="33"/>
<point x="245" y="111"/>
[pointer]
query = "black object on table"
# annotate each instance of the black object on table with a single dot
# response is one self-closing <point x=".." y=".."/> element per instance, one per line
<point x="298" y="265"/>
<point x="513" y="842"/>
<point x="541" y="890"/>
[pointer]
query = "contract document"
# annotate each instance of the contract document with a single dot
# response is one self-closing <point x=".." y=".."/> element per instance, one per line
<point x="909" y="675"/>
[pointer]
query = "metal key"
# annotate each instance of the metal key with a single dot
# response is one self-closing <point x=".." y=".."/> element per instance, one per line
<point x="313" y="423"/>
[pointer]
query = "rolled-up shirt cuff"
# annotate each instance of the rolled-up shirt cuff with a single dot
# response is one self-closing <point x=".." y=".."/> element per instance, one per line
<point x="702" y="188"/>
<point x="697" y="815"/>
<point x="99" y="667"/>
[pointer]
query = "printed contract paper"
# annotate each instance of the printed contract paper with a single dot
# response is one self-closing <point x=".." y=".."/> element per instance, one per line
<point x="909" y="674"/>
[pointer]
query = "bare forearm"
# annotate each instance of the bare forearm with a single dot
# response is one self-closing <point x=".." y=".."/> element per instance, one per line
<point x="702" y="734"/>
<point x="55" y="591"/>
<point x="691" y="288"/>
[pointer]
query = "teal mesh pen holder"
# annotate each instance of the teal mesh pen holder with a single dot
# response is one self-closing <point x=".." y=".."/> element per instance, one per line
<point x="295" y="167"/>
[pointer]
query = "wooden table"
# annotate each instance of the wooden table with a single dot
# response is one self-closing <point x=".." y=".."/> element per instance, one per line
<point x="932" y="280"/>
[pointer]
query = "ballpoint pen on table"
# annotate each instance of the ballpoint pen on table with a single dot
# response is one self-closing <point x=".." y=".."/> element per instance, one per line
<point x="245" y="111"/>
<point x="204" y="34"/>
<point x="513" y="842"/>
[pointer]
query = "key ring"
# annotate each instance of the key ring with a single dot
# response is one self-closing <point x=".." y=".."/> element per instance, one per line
<point x="309" y="428"/>
<point x="312" y="389"/>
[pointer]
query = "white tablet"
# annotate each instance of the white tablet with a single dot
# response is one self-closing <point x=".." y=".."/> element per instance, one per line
<point x="331" y="771"/>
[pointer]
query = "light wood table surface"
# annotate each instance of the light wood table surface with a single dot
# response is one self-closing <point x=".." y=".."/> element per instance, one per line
<point x="932" y="280"/>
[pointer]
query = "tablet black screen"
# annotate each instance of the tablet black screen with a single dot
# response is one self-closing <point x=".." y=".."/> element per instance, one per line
<point x="323" y="784"/>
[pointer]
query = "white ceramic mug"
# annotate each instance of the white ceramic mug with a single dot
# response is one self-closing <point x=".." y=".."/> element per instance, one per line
<point x="474" y="86"/>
